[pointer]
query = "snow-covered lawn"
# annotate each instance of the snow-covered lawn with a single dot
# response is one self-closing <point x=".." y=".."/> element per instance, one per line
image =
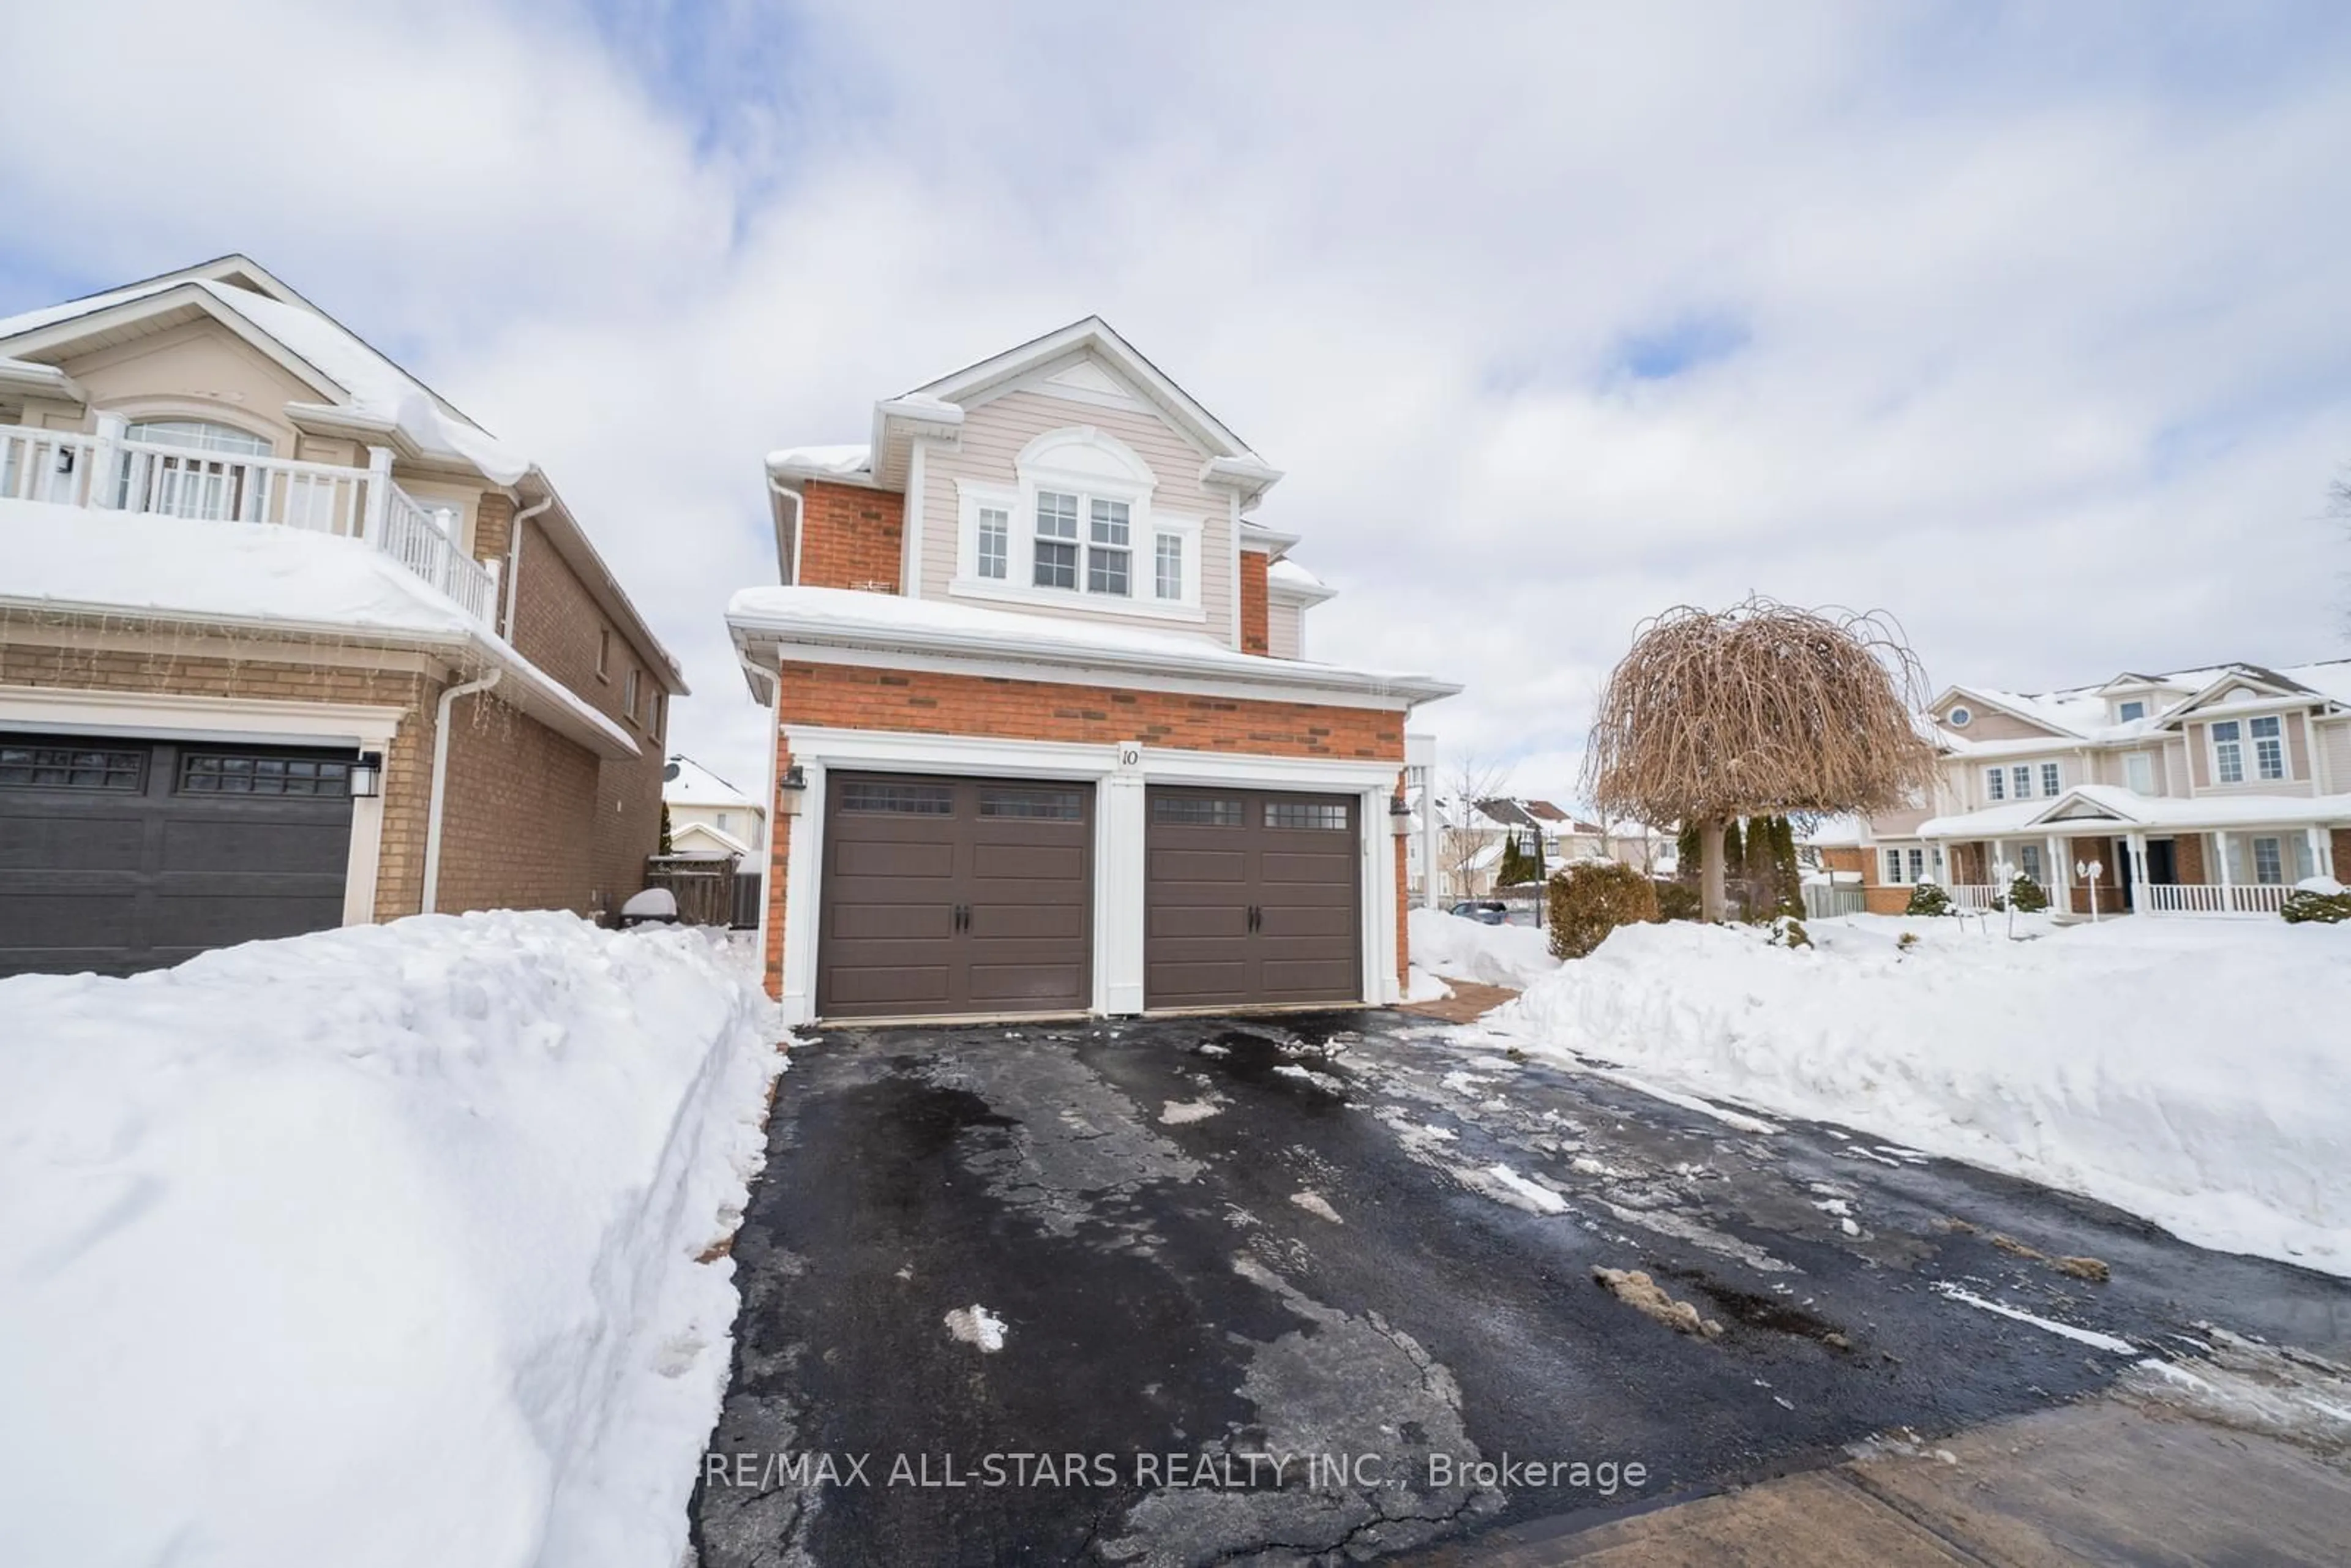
<point x="372" y="1247"/>
<point x="1459" y="948"/>
<point x="2197" y="1073"/>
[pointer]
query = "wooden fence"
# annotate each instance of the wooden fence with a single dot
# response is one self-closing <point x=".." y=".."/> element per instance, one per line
<point x="704" y="886"/>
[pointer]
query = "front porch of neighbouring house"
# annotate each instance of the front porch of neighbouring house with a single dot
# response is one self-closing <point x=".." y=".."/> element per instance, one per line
<point x="2147" y="870"/>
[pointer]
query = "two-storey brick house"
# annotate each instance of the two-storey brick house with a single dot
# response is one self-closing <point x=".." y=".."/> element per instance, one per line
<point x="286" y="641"/>
<point x="2204" y="791"/>
<point x="1046" y="739"/>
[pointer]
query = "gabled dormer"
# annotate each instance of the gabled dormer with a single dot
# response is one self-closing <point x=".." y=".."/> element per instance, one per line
<point x="2248" y="730"/>
<point x="1068" y="477"/>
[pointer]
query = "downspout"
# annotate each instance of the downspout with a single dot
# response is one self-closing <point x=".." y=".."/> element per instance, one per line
<point x="799" y="509"/>
<point x="514" y="558"/>
<point x="433" y="811"/>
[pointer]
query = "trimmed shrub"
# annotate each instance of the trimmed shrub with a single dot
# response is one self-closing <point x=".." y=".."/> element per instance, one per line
<point x="1592" y="898"/>
<point x="1788" y="931"/>
<point x="1928" y="898"/>
<point x="1678" y="900"/>
<point x="2028" y="895"/>
<point x="2305" y="905"/>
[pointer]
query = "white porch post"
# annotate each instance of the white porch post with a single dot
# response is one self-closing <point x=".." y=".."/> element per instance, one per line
<point x="2228" y="886"/>
<point x="98" y="485"/>
<point x="379" y="494"/>
<point x="2325" y="842"/>
<point x="2141" y="900"/>
<point x="2318" y="847"/>
<point x="2060" y="875"/>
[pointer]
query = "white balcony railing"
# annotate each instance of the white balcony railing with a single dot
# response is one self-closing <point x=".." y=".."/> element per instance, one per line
<point x="2211" y="898"/>
<point x="106" y="472"/>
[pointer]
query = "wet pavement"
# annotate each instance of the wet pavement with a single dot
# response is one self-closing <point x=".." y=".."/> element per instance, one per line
<point x="1275" y="1290"/>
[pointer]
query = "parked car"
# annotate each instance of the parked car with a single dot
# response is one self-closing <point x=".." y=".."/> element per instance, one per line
<point x="1484" y="911"/>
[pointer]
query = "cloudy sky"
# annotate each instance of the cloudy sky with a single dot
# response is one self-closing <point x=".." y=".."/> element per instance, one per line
<point x="2026" y="324"/>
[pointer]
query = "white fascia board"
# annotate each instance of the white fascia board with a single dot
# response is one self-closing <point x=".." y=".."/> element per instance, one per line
<point x="181" y="296"/>
<point x="1248" y="477"/>
<point x="898" y="423"/>
<point x="965" y="652"/>
<point x="172" y="715"/>
<point x="1271" y="543"/>
<point x="1281" y="592"/>
<point x="30" y="379"/>
<point x="1094" y="333"/>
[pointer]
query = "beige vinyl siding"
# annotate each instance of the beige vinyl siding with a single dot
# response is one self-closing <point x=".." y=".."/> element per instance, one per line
<point x="1285" y="630"/>
<point x="1990" y="723"/>
<point x="993" y="435"/>
<point x="201" y="371"/>
<point x="2335" y="750"/>
<point x="2200" y="753"/>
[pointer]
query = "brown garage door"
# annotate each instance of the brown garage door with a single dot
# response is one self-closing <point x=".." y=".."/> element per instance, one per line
<point x="955" y="895"/>
<point x="1252" y="897"/>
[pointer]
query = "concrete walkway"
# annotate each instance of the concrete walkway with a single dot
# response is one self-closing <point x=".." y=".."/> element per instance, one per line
<point x="2100" y="1481"/>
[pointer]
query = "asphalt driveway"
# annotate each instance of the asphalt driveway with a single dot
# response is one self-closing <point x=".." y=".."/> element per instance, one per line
<point x="1205" y="1291"/>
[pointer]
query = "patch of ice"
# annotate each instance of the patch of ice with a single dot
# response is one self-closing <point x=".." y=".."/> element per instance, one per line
<point x="1176" y="1113"/>
<point x="1314" y="1204"/>
<point x="977" y="1325"/>
<point x="2091" y="1337"/>
<point x="1502" y="1182"/>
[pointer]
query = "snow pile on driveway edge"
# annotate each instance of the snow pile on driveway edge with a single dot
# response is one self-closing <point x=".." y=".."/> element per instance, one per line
<point x="1462" y="949"/>
<point x="2195" y="1073"/>
<point x="373" y="1247"/>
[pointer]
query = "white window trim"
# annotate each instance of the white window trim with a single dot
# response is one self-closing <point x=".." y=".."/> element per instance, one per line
<point x="1017" y="585"/>
<point x="1995" y="783"/>
<point x="2052" y="779"/>
<point x="2254" y="742"/>
<point x="2212" y="739"/>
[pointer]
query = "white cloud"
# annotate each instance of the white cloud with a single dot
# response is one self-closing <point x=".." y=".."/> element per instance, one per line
<point x="2033" y="317"/>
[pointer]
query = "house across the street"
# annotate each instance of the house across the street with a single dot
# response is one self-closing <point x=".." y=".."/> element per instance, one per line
<point x="2203" y="791"/>
<point x="1046" y="738"/>
<point x="287" y="642"/>
<point x="708" y="816"/>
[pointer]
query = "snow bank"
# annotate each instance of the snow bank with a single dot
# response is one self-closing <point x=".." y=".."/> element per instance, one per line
<point x="372" y="1247"/>
<point x="2197" y="1073"/>
<point x="1464" y="950"/>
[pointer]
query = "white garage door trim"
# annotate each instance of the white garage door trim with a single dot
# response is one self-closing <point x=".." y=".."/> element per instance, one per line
<point x="1122" y="771"/>
<point x="157" y="715"/>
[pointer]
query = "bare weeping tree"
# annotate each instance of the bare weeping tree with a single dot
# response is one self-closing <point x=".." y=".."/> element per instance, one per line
<point x="1758" y="710"/>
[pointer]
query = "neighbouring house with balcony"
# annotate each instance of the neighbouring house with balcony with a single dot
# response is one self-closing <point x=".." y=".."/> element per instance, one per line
<point x="287" y="642"/>
<point x="1047" y="739"/>
<point x="2205" y="791"/>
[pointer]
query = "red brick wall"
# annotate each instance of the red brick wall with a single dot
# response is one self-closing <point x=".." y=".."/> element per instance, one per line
<point x="2341" y="840"/>
<point x="1403" y="912"/>
<point x="1855" y="859"/>
<point x="851" y="537"/>
<point x="2187" y="856"/>
<point x="1254" y="639"/>
<point x="559" y="627"/>
<point x="852" y="697"/>
<point x="2106" y="852"/>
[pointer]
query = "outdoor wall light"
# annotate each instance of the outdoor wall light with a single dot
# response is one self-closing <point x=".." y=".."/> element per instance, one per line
<point x="367" y="776"/>
<point x="790" y="787"/>
<point x="1399" y="816"/>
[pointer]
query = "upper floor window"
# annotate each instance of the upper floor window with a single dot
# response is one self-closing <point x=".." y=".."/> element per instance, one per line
<point x="2228" y="752"/>
<point x="1087" y="501"/>
<point x="2138" y="771"/>
<point x="604" y="655"/>
<point x="1960" y="716"/>
<point x="2269" y="747"/>
<point x="198" y="435"/>
<point x="2134" y="709"/>
<point x="995" y="542"/>
<point x="629" y="691"/>
<point x="1995" y="784"/>
<point x="2049" y="778"/>
<point x="2021" y="775"/>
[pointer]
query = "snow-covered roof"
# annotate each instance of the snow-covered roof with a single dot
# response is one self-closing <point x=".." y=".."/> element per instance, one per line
<point x="721" y="841"/>
<point x="2083" y="712"/>
<point x="1294" y="582"/>
<point x="289" y="580"/>
<point x="1835" y="834"/>
<point x="2126" y="805"/>
<point x="378" y="389"/>
<point x="685" y="782"/>
<point x="853" y="462"/>
<point x="839" y="617"/>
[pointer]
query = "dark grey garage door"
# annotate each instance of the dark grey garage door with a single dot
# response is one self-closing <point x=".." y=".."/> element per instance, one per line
<point x="1251" y="898"/>
<point x="955" y="895"/>
<point x="121" y="855"/>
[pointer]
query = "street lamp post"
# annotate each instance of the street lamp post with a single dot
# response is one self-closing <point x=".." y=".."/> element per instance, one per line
<point x="2091" y="873"/>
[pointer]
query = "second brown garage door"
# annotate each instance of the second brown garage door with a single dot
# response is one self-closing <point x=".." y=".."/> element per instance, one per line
<point x="955" y="895"/>
<point x="1251" y="898"/>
